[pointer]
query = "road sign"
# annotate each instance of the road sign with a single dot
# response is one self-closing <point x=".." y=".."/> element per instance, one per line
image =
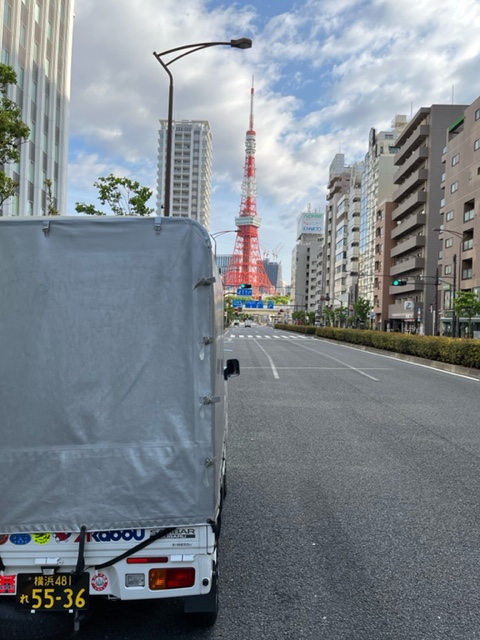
<point x="244" y="292"/>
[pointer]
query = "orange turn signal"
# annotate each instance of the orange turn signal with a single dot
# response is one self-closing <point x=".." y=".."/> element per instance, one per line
<point x="171" y="578"/>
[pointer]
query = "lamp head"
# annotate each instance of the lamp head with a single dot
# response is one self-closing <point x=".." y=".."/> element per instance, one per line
<point x="241" y="43"/>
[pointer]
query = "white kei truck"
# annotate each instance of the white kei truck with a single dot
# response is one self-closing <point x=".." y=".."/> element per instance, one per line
<point x="113" y="415"/>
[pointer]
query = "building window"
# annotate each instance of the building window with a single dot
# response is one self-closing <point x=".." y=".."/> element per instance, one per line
<point x="448" y="269"/>
<point x="7" y="15"/>
<point x="455" y="159"/>
<point x="477" y="114"/>
<point x="23" y="35"/>
<point x="449" y="216"/>
<point x="448" y="243"/>
<point x="454" y="187"/>
<point x="468" y="215"/>
<point x="476" y="144"/>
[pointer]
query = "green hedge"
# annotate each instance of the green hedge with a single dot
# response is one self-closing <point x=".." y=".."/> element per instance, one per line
<point x="460" y="351"/>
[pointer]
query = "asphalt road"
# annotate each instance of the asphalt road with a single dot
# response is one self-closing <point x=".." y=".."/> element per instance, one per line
<point x="353" y="502"/>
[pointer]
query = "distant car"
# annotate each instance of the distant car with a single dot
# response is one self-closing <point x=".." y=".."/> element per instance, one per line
<point x="248" y="323"/>
<point x="236" y="323"/>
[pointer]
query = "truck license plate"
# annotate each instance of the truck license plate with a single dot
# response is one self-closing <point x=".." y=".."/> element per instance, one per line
<point x="58" y="592"/>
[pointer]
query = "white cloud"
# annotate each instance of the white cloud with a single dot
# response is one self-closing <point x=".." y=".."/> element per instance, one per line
<point x="325" y="73"/>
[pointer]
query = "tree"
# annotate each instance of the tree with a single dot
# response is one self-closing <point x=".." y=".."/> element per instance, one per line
<point x="13" y="131"/>
<point x="340" y="314"/>
<point x="467" y="304"/>
<point x="362" y="309"/>
<point x="51" y="208"/>
<point x="124" y="197"/>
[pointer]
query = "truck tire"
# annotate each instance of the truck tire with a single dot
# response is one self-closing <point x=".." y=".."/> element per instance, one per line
<point x="207" y="618"/>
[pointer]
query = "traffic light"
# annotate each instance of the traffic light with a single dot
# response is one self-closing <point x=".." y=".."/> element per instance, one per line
<point x="399" y="283"/>
<point x="245" y="286"/>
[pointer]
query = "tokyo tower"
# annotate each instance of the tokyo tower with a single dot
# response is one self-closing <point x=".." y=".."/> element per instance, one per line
<point x="246" y="265"/>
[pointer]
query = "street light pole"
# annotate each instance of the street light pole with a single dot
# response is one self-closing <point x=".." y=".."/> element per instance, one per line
<point x="215" y="235"/>
<point x="240" y="43"/>
<point x="454" y="291"/>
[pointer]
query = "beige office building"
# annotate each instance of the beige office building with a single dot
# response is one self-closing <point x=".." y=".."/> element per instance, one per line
<point x="459" y="257"/>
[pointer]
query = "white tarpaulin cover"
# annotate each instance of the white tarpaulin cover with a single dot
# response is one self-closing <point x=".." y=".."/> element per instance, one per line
<point x="111" y="374"/>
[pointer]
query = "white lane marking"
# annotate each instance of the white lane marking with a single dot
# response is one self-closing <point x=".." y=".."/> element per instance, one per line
<point x="348" y="366"/>
<point x="272" y="365"/>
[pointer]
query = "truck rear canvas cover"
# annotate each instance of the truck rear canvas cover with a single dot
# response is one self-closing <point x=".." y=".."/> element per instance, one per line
<point x="110" y="374"/>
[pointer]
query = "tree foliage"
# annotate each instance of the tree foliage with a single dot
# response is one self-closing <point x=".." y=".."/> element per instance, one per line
<point x="125" y="197"/>
<point x="467" y="304"/>
<point x="362" y="309"/>
<point x="13" y="131"/>
<point x="51" y="208"/>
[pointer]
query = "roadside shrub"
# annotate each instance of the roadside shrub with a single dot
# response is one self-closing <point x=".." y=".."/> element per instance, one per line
<point x="459" y="351"/>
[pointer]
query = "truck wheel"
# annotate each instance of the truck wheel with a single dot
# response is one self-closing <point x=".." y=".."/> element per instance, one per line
<point x="208" y="617"/>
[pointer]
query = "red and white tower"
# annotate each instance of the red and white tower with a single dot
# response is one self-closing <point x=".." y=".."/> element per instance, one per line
<point x="246" y="264"/>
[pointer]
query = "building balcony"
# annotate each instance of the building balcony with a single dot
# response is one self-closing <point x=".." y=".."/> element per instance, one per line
<point x="410" y="264"/>
<point x="407" y="225"/>
<point x="417" y="158"/>
<point x="407" y="246"/>
<point x="412" y="143"/>
<point x="411" y="184"/>
<point x="408" y="205"/>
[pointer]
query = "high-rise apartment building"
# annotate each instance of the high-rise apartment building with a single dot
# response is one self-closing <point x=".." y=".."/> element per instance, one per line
<point x="191" y="169"/>
<point x="36" y="41"/>
<point x="415" y="246"/>
<point x="350" y="277"/>
<point x="459" y="258"/>
<point x="339" y="181"/>
<point x="307" y="261"/>
<point x="377" y="185"/>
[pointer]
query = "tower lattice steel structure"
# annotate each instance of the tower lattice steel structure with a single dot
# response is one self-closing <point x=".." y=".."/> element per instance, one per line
<point x="246" y="264"/>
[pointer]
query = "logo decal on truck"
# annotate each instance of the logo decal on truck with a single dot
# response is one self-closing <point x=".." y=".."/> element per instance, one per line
<point x="20" y="538"/>
<point x="99" y="582"/>
<point x="3" y="538"/>
<point x="114" y="536"/>
<point x="8" y="584"/>
<point x="182" y="533"/>
<point x="61" y="537"/>
<point x="42" y="538"/>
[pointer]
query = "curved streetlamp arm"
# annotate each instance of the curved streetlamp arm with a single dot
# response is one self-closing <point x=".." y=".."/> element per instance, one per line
<point x="240" y="43"/>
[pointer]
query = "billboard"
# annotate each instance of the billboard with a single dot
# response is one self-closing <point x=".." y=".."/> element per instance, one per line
<point x="310" y="222"/>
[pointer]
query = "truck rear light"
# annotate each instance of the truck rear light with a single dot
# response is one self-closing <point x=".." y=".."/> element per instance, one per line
<point x="171" y="578"/>
<point x="147" y="560"/>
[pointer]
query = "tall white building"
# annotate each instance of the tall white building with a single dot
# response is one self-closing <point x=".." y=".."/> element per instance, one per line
<point x="307" y="261"/>
<point x="36" y="41"/>
<point x="377" y="186"/>
<point x="191" y="169"/>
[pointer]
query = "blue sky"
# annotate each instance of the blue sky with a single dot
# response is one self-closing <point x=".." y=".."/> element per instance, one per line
<point x="325" y="74"/>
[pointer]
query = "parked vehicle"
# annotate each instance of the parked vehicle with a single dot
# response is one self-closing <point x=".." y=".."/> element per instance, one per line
<point x="113" y="414"/>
